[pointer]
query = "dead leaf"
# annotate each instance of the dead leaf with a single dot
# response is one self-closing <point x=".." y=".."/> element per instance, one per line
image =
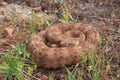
<point x="8" y="31"/>
<point x="18" y="37"/>
<point x="57" y="5"/>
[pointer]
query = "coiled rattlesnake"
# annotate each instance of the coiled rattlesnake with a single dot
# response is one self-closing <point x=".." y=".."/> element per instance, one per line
<point x="62" y="44"/>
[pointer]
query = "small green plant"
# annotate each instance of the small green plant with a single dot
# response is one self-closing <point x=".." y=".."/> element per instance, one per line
<point x="31" y="24"/>
<point x="33" y="14"/>
<point x="66" y="15"/>
<point x="100" y="43"/>
<point x="95" y="69"/>
<point x="83" y="62"/>
<point x="72" y="75"/>
<point x="14" y="15"/>
<point x="15" y="63"/>
<point x="13" y="19"/>
<point x="32" y="27"/>
<point x="39" y="23"/>
<point x="51" y="77"/>
<point x="47" y="24"/>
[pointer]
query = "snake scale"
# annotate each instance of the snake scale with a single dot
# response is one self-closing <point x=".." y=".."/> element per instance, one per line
<point x="62" y="44"/>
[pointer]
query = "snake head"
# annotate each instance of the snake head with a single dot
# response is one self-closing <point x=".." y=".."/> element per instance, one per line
<point x="69" y="42"/>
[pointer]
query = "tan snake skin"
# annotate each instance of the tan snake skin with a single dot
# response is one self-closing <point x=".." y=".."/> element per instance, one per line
<point x="62" y="44"/>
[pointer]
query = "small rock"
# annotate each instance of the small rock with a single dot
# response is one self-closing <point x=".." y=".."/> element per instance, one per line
<point x="3" y="3"/>
<point x="8" y="31"/>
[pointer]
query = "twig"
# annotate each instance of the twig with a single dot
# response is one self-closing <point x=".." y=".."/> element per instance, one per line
<point x="30" y="75"/>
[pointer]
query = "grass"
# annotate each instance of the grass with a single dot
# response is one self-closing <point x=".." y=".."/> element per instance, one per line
<point x="13" y="19"/>
<point x="51" y="77"/>
<point x="100" y="42"/>
<point x="33" y="14"/>
<point x="66" y="16"/>
<point x="47" y="24"/>
<point x="93" y="68"/>
<point x="15" y="66"/>
<point x="16" y="63"/>
<point x="72" y="74"/>
<point x="32" y="27"/>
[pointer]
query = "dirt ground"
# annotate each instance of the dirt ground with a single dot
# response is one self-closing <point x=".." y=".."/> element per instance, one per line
<point x="102" y="14"/>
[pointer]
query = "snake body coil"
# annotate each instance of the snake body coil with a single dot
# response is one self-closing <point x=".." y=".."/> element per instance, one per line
<point x="62" y="44"/>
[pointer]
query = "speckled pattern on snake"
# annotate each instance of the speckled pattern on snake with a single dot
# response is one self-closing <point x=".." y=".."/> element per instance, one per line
<point x="62" y="44"/>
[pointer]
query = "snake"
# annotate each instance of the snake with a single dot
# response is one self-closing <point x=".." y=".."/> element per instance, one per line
<point x="63" y="44"/>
